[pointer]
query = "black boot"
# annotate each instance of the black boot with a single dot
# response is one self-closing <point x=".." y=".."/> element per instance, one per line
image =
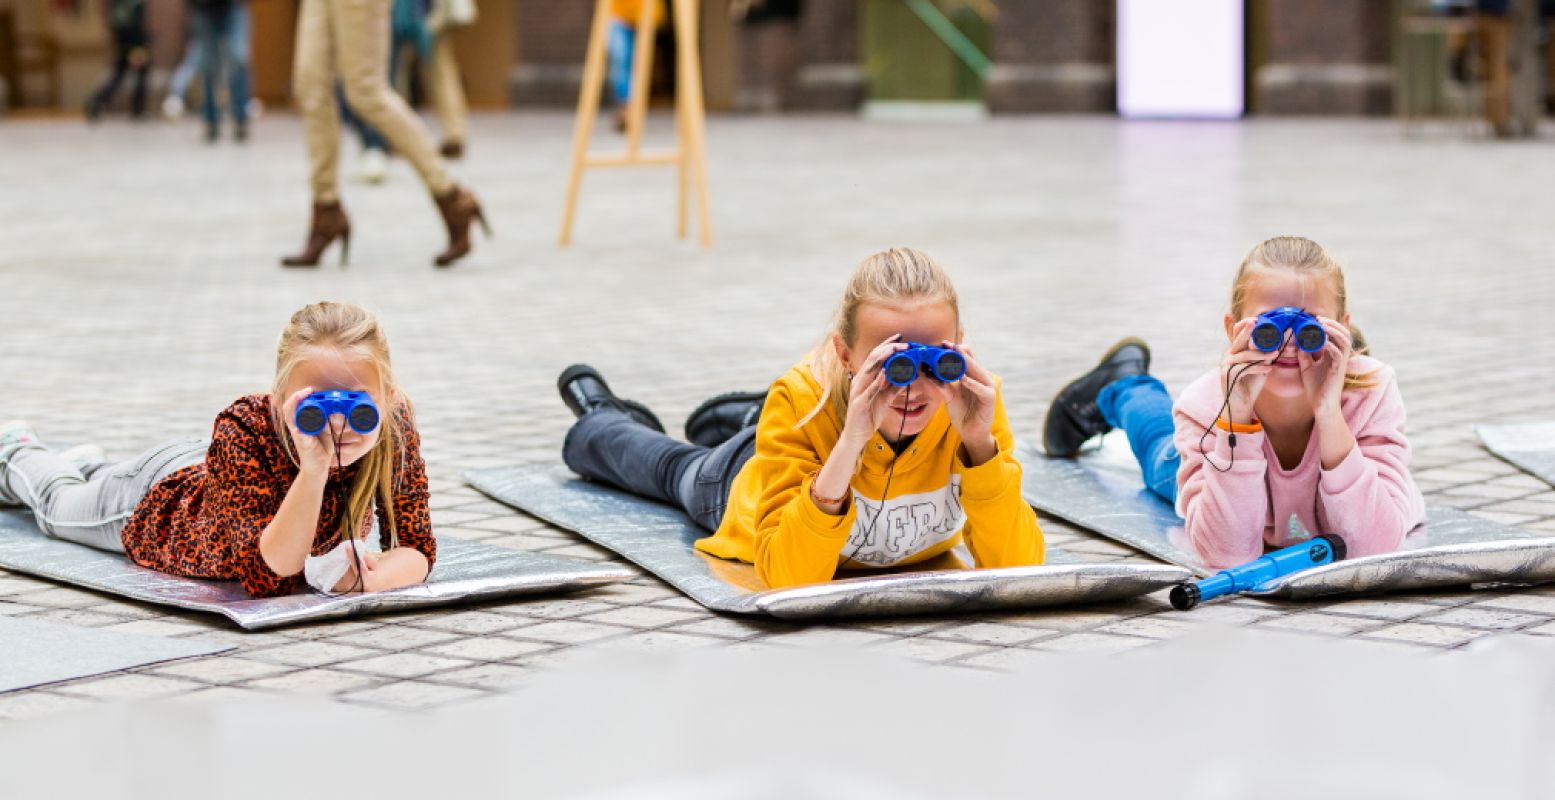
<point x="583" y="389"/>
<point x="720" y="418"/>
<point x="1073" y="418"/>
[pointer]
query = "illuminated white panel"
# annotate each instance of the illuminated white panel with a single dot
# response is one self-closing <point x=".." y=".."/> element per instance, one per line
<point x="1180" y="58"/>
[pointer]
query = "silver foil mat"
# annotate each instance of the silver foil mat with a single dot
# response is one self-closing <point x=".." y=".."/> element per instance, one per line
<point x="659" y="538"/>
<point x="1102" y="491"/>
<point x="38" y="652"/>
<point x="465" y="571"/>
<point x="1530" y="446"/>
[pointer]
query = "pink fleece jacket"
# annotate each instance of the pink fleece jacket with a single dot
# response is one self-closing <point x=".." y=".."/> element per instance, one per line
<point x="1369" y="499"/>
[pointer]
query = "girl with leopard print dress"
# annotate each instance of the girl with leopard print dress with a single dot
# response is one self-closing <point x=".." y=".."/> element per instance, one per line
<point x="262" y="503"/>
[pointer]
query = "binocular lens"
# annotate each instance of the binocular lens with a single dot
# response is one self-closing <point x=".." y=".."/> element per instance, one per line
<point x="901" y="370"/>
<point x="363" y="418"/>
<point x="950" y="366"/>
<point x="1311" y="338"/>
<point x="310" y="419"/>
<point x="1266" y="337"/>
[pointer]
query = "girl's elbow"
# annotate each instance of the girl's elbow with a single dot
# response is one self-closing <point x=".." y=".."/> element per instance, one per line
<point x="1218" y="553"/>
<point x="783" y="576"/>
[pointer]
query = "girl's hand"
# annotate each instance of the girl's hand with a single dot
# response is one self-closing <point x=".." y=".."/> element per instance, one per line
<point x="1249" y="367"/>
<point x="315" y="454"/>
<point x="868" y="402"/>
<point x="1322" y="373"/>
<point x="970" y="402"/>
<point x="348" y="581"/>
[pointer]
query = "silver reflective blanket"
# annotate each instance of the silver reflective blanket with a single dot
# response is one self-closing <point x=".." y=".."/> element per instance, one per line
<point x="1530" y="446"/>
<point x="659" y="539"/>
<point x="465" y="571"/>
<point x="1102" y="491"/>
<point x="38" y="652"/>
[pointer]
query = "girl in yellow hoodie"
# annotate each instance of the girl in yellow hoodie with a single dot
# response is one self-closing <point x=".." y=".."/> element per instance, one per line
<point x="843" y="469"/>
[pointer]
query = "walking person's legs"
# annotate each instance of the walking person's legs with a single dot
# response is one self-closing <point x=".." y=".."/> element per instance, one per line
<point x="313" y="83"/>
<point x="104" y="94"/>
<point x="361" y="29"/>
<point x="442" y="78"/>
<point x="234" y="36"/>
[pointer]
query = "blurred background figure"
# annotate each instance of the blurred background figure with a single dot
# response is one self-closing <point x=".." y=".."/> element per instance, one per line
<point x="407" y="28"/>
<point x="178" y="85"/>
<point x="623" y="48"/>
<point x="769" y="35"/>
<point x="426" y="30"/>
<point x="351" y="39"/>
<point x="221" y="35"/>
<point x="131" y="43"/>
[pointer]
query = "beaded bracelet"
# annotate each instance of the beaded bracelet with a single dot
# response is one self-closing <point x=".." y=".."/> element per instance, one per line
<point x="825" y="501"/>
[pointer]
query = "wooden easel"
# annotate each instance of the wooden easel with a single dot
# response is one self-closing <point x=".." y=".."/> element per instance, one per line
<point x="689" y="156"/>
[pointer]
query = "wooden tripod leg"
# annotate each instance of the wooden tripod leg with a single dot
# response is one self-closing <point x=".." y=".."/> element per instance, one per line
<point x="588" y="111"/>
<point x="682" y="163"/>
<point x="689" y="73"/>
<point x="642" y="69"/>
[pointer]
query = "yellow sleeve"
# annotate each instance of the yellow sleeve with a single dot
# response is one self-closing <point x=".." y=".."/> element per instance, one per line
<point x="1001" y="528"/>
<point x="796" y="542"/>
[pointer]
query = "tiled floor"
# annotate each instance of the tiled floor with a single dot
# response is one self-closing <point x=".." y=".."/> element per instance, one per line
<point x="141" y="294"/>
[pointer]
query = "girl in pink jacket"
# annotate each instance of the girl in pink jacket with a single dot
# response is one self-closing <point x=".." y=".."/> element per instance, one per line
<point x="1270" y="448"/>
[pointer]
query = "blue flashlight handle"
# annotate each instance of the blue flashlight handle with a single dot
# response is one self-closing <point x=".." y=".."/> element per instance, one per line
<point x="1314" y="552"/>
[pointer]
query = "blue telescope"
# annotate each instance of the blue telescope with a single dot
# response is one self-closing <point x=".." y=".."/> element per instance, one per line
<point x="1315" y="552"/>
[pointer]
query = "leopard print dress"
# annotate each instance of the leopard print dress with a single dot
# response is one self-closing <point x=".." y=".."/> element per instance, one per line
<point x="204" y="521"/>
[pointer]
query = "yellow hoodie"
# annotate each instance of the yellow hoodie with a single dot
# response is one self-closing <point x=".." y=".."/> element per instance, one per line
<point x="936" y="500"/>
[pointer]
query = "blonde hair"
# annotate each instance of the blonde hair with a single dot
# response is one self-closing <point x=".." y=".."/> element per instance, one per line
<point x="1307" y="259"/>
<point x="895" y="277"/>
<point x="354" y="332"/>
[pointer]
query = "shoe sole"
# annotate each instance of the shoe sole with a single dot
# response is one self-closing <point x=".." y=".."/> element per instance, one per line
<point x="571" y="374"/>
<point x="707" y="405"/>
<point x="1111" y="353"/>
<point x="576" y="371"/>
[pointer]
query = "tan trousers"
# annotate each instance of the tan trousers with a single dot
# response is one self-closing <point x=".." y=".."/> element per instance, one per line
<point x="350" y="38"/>
<point x="441" y="76"/>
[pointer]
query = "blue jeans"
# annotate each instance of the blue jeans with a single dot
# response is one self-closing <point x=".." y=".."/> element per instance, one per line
<point x="1140" y="406"/>
<point x="623" y="41"/>
<point x="221" y="31"/>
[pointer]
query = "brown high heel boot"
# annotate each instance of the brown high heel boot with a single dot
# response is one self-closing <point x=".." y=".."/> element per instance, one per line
<point x="329" y="223"/>
<point x="459" y="209"/>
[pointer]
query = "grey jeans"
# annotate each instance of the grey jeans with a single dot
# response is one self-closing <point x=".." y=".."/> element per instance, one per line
<point x="89" y="508"/>
<point x="610" y="447"/>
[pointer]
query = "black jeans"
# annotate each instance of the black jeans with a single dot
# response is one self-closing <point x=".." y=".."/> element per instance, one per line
<point x="608" y="446"/>
<point x="121" y="65"/>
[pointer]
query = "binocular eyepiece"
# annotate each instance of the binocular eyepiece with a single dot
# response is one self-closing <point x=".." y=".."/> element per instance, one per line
<point x="1269" y="330"/>
<point x="358" y="408"/>
<point x="902" y="368"/>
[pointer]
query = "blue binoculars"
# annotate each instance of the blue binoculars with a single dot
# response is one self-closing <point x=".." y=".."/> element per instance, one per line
<point x="902" y="368"/>
<point x="1269" y="330"/>
<point x="1315" y="552"/>
<point x="358" y="408"/>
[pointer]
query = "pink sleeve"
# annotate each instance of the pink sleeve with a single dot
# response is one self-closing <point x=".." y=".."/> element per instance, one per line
<point x="1225" y="512"/>
<point x="1370" y="499"/>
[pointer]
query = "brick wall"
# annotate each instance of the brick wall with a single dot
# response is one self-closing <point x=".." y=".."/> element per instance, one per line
<point x="830" y="76"/>
<point x="1053" y="55"/>
<point x="1317" y="56"/>
<point x="552" y="37"/>
<point x="1325" y="57"/>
